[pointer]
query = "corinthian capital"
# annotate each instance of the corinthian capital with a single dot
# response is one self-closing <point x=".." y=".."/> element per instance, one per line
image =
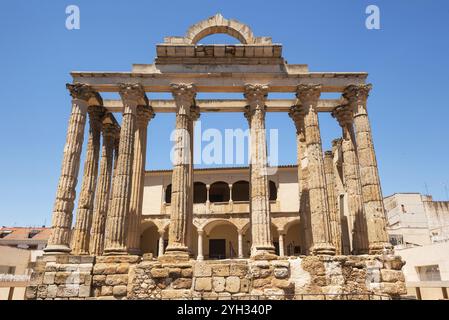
<point x="144" y="114"/>
<point x="344" y="115"/>
<point x="296" y="113"/>
<point x="357" y="93"/>
<point x="133" y="94"/>
<point x="184" y="95"/>
<point x="308" y="94"/>
<point x="110" y="130"/>
<point x="81" y="91"/>
<point x="256" y="95"/>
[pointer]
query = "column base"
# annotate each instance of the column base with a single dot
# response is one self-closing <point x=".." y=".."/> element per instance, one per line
<point x="263" y="253"/>
<point x="380" y="248"/>
<point x="175" y="254"/>
<point x="115" y="252"/>
<point x="56" y="249"/>
<point x="135" y="252"/>
<point x="323" y="249"/>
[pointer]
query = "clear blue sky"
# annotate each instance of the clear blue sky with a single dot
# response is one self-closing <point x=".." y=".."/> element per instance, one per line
<point x="407" y="61"/>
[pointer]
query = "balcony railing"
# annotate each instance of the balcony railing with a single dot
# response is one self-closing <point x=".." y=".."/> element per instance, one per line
<point x="229" y="207"/>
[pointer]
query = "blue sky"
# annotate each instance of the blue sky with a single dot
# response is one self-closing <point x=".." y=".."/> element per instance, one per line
<point x="407" y="62"/>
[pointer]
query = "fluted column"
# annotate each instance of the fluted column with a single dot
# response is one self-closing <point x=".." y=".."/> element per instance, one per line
<point x="357" y="222"/>
<point x="262" y="245"/>
<point x="81" y="234"/>
<point x="144" y="114"/>
<point x="114" y="174"/>
<point x="58" y="243"/>
<point x="116" y="240"/>
<point x="357" y="95"/>
<point x="334" y="218"/>
<point x="182" y="180"/>
<point x="308" y="96"/>
<point x="304" y="203"/>
<point x="103" y="189"/>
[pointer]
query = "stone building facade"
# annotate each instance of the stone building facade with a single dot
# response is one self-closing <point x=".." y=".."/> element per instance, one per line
<point x="104" y="258"/>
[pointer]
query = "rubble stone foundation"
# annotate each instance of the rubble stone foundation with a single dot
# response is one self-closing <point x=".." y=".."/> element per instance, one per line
<point x="133" y="277"/>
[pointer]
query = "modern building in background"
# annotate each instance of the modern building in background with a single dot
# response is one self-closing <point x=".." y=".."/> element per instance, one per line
<point x="418" y="227"/>
<point x="19" y="248"/>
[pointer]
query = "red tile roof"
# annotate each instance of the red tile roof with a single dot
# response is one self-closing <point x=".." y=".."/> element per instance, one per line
<point x="22" y="233"/>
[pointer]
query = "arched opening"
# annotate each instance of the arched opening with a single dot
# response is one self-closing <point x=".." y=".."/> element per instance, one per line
<point x="275" y="237"/>
<point x="219" y="192"/>
<point x="219" y="38"/>
<point x="292" y="241"/>
<point x="168" y="194"/>
<point x="219" y="30"/>
<point x="221" y="240"/>
<point x="273" y="191"/>
<point x="199" y="192"/>
<point x="240" y="191"/>
<point x="247" y="239"/>
<point x="149" y="240"/>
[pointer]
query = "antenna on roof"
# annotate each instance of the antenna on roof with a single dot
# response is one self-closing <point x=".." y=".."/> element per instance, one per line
<point x="445" y="191"/>
<point x="427" y="189"/>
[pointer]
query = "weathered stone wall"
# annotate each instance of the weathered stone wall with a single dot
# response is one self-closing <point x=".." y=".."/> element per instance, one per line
<point x="110" y="276"/>
<point x="226" y="279"/>
<point x="61" y="277"/>
<point x="131" y="277"/>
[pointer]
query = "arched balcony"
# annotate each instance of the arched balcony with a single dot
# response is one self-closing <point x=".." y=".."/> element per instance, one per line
<point x="222" y="197"/>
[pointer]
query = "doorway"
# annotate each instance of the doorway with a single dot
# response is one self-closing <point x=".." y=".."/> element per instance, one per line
<point x="217" y="248"/>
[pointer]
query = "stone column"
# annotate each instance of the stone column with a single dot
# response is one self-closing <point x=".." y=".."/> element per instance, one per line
<point x="207" y="201"/>
<point x="103" y="189"/>
<point x="161" y="243"/>
<point x="356" y="95"/>
<point x="144" y="114"/>
<point x="81" y="234"/>
<point x="200" y="256"/>
<point x="230" y="194"/>
<point x="116" y="240"/>
<point x="262" y="245"/>
<point x="240" y="244"/>
<point x="304" y="203"/>
<point x="182" y="190"/>
<point x="281" y="245"/>
<point x="357" y="222"/>
<point x="58" y="243"/>
<point x="334" y="218"/>
<point x="308" y="96"/>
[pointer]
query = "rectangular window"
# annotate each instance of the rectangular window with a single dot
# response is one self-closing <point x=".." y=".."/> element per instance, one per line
<point x="4" y="233"/>
<point x="32" y="233"/>
<point x="396" y="239"/>
<point x="429" y="273"/>
<point x="7" y="270"/>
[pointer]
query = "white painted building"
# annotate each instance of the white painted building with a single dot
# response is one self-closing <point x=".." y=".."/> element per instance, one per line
<point x="419" y="229"/>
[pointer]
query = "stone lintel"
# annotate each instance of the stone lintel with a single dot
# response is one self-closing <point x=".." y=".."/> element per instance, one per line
<point x="225" y="105"/>
<point x="214" y="81"/>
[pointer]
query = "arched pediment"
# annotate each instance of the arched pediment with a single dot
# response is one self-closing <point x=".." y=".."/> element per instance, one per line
<point x="219" y="24"/>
